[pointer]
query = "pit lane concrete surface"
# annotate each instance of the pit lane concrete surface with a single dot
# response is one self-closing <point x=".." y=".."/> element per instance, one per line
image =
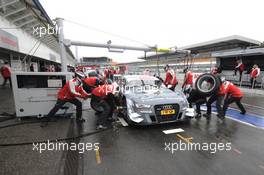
<point x="140" y="150"/>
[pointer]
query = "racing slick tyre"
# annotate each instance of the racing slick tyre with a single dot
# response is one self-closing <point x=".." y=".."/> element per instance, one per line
<point x="94" y="103"/>
<point x="207" y="84"/>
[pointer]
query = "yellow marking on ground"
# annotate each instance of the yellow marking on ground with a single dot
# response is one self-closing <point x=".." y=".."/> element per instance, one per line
<point x="97" y="156"/>
<point x="187" y="140"/>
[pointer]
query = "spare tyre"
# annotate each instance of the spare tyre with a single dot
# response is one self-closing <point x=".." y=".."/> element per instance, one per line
<point x="207" y="84"/>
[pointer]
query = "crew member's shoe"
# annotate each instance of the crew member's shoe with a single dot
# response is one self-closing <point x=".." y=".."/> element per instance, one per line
<point x="243" y="113"/>
<point x="99" y="127"/>
<point x="220" y="117"/>
<point x="207" y="116"/>
<point x="81" y="120"/>
<point x="198" y="116"/>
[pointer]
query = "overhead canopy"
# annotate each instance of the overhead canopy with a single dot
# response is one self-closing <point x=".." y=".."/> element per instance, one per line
<point x="242" y="52"/>
<point x="29" y="14"/>
<point x="226" y="43"/>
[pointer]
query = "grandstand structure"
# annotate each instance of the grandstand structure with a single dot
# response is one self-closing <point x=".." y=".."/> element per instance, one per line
<point x="222" y="52"/>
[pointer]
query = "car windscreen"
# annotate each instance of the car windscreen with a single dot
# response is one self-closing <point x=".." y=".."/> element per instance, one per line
<point x="138" y="82"/>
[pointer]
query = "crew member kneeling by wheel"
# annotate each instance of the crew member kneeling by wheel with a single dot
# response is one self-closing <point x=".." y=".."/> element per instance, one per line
<point x="69" y="93"/>
<point x="104" y="97"/>
<point x="197" y="98"/>
<point x="233" y="94"/>
<point x="90" y="83"/>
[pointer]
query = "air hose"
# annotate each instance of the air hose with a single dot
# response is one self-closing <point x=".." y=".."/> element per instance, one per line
<point x="55" y="140"/>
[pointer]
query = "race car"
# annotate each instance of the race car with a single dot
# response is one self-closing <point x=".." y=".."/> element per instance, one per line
<point x="146" y="101"/>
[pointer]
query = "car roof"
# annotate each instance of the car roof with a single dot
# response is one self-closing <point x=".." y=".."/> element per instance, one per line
<point x="140" y="77"/>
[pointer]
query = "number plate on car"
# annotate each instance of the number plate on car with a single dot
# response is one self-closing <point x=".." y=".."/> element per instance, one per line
<point x="167" y="112"/>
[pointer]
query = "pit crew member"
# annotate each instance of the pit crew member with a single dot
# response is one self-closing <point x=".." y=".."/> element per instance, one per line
<point x="188" y="79"/>
<point x="104" y="95"/>
<point x="70" y="92"/>
<point x="218" y="97"/>
<point x="255" y="72"/>
<point x="6" y="74"/>
<point x="233" y="94"/>
<point x="170" y="79"/>
<point x="197" y="98"/>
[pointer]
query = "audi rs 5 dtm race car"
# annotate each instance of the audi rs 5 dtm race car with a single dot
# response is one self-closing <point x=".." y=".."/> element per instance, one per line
<point x="144" y="100"/>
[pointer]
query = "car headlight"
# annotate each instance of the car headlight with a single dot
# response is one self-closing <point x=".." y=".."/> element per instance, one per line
<point x="139" y="106"/>
<point x="185" y="104"/>
<point x="184" y="101"/>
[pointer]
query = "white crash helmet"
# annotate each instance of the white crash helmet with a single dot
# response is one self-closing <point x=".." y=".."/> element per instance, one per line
<point x="222" y="79"/>
<point x="79" y="75"/>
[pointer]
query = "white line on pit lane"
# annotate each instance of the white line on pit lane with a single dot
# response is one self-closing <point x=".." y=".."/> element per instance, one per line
<point x="172" y="131"/>
<point x="253" y="106"/>
<point x="203" y="108"/>
<point x="245" y="123"/>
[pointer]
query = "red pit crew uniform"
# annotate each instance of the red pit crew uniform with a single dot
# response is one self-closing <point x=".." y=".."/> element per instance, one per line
<point x="255" y="72"/>
<point x="90" y="83"/>
<point x="240" y="67"/>
<point x="69" y="93"/>
<point x="106" y="74"/>
<point x="188" y="80"/>
<point x="6" y="73"/>
<point x="104" y="95"/>
<point x="171" y="79"/>
<point x="233" y="94"/>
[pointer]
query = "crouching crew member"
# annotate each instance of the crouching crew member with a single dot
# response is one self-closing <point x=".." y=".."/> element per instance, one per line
<point x="170" y="79"/>
<point x="197" y="98"/>
<point x="105" y="100"/>
<point x="233" y="94"/>
<point x="218" y="97"/>
<point x="69" y="93"/>
<point x="91" y="83"/>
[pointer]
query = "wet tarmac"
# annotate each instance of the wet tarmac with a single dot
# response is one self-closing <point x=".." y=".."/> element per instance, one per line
<point x="136" y="150"/>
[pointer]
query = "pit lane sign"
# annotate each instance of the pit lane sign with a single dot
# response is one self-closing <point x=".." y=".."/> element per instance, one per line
<point x="8" y="41"/>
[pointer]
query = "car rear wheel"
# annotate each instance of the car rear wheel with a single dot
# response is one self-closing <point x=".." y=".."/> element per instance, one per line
<point x="95" y="105"/>
<point x="207" y="84"/>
